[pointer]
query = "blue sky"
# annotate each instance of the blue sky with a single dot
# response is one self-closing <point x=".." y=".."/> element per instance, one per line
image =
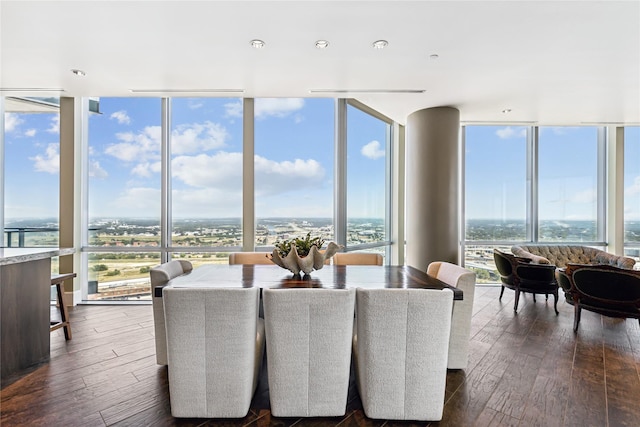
<point x="293" y="162"/>
<point x="496" y="173"/>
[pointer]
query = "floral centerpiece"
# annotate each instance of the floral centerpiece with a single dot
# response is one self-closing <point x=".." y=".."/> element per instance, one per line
<point x="304" y="255"/>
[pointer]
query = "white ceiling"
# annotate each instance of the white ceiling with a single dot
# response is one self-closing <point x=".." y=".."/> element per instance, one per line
<point x="550" y="62"/>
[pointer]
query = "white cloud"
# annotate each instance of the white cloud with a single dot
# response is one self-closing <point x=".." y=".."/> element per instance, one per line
<point x="146" y="169"/>
<point x="11" y="121"/>
<point x="509" y="132"/>
<point x="273" y="177"/>
<point x="209" y="171"/>
<point x="198" y="137"/>
<point x="54" y="126"/>
<point x="223" y="171"/>
<point x="233" y="109"/>
<point x="277" y="107"/>
<point x="48" y="162"/>
<point x="634" y="188"/>
<point x="194" y="105"/>
<point x="139" y="147"/>
<point x="96" y="171"/>
<point x="372" y="150"/>
<point x="141" y="169"/>
<point x="121" y="116"/>
<point x="30" y="132"/>
<point x="143" y="147"/>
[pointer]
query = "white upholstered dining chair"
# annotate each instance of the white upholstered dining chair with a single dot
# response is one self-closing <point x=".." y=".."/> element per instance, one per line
<point x="215" y="344"/>
<point x="308" y="335"/>
<point x="463" y="279"/>
<point x="160" y="276"/>
<point x="400" y="349"/>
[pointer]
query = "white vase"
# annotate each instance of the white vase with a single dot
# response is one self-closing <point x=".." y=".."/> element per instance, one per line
<point x="314" y="261"/>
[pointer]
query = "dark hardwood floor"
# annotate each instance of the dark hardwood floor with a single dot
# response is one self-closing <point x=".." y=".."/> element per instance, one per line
<point x="526" y="369"/>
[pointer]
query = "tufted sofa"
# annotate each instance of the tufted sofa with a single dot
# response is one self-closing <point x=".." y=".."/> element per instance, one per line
<point x="561" y="255"/>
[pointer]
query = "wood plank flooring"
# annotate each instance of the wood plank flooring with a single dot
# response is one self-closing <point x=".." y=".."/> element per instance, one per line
<point x="525" y="369"/>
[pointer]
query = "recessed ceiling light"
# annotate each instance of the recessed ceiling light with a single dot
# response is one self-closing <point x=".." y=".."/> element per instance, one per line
<point x="322" y="44"/>
<point x="380" y="44"/>
<point x="78" y="72"/>
<point x="506" y="111"/>
<point x="257" y="44"/>
<point x="434" y="56"/>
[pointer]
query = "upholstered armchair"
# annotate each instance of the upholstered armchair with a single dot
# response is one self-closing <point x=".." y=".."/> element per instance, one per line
<point x="160" y="276"/>
<point x="604" y="289"/>
<point x="463" y="279"/>
<point x="521" y="275"/>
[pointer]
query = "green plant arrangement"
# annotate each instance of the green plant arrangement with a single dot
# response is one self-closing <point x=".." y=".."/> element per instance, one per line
<point x="303" y="246"/>
<point x="302" y="254"/>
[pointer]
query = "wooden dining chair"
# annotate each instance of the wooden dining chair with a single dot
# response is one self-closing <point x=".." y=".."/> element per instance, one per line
<point x="249" y="258"/>
<point x="357" y="258"/>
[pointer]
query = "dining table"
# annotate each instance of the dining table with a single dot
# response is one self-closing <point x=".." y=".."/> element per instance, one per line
<point x="330" y="277"/>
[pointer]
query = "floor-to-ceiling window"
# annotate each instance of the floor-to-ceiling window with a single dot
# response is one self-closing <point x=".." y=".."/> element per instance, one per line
<point x="530" y="184"/>
<point x="293" y="167"/>
<point x="495" y="194"/>
<point x="166" y="181"/>
<point x="367" y="175"/>
<point x="568" y="184"/>
<point x="206" y="178"/>
<point x="32" y="173"/>
<point x="124" y="204"/>
<point x="632" y="191"/>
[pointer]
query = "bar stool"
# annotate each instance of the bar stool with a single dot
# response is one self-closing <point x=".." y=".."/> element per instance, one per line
<point x="57" y="280"/>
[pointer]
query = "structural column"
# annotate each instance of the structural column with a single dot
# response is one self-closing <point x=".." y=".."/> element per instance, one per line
<point x="432" y="182"/>
<point x="73" y="130"/>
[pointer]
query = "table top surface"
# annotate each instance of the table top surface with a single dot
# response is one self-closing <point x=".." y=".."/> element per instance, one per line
<point x="330" y="277"/>
<point x="18" y="255"/>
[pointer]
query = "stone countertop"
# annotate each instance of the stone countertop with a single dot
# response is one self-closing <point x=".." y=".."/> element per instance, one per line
<point x="16" y="255"/>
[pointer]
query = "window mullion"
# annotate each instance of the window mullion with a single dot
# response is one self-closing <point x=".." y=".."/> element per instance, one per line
<point x="165" y="184"/>
<point x="340" y="174"/>
<point x="532" y="184"/>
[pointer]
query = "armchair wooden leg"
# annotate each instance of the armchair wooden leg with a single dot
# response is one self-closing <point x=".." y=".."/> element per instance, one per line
<point x="501" y="292"/>
<point x="515" y="304"/>
<point x="534" y="297"/>
<point x="576" y="316"/>
<point x="546" y="297"/>
<point x="555" y="302"/>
